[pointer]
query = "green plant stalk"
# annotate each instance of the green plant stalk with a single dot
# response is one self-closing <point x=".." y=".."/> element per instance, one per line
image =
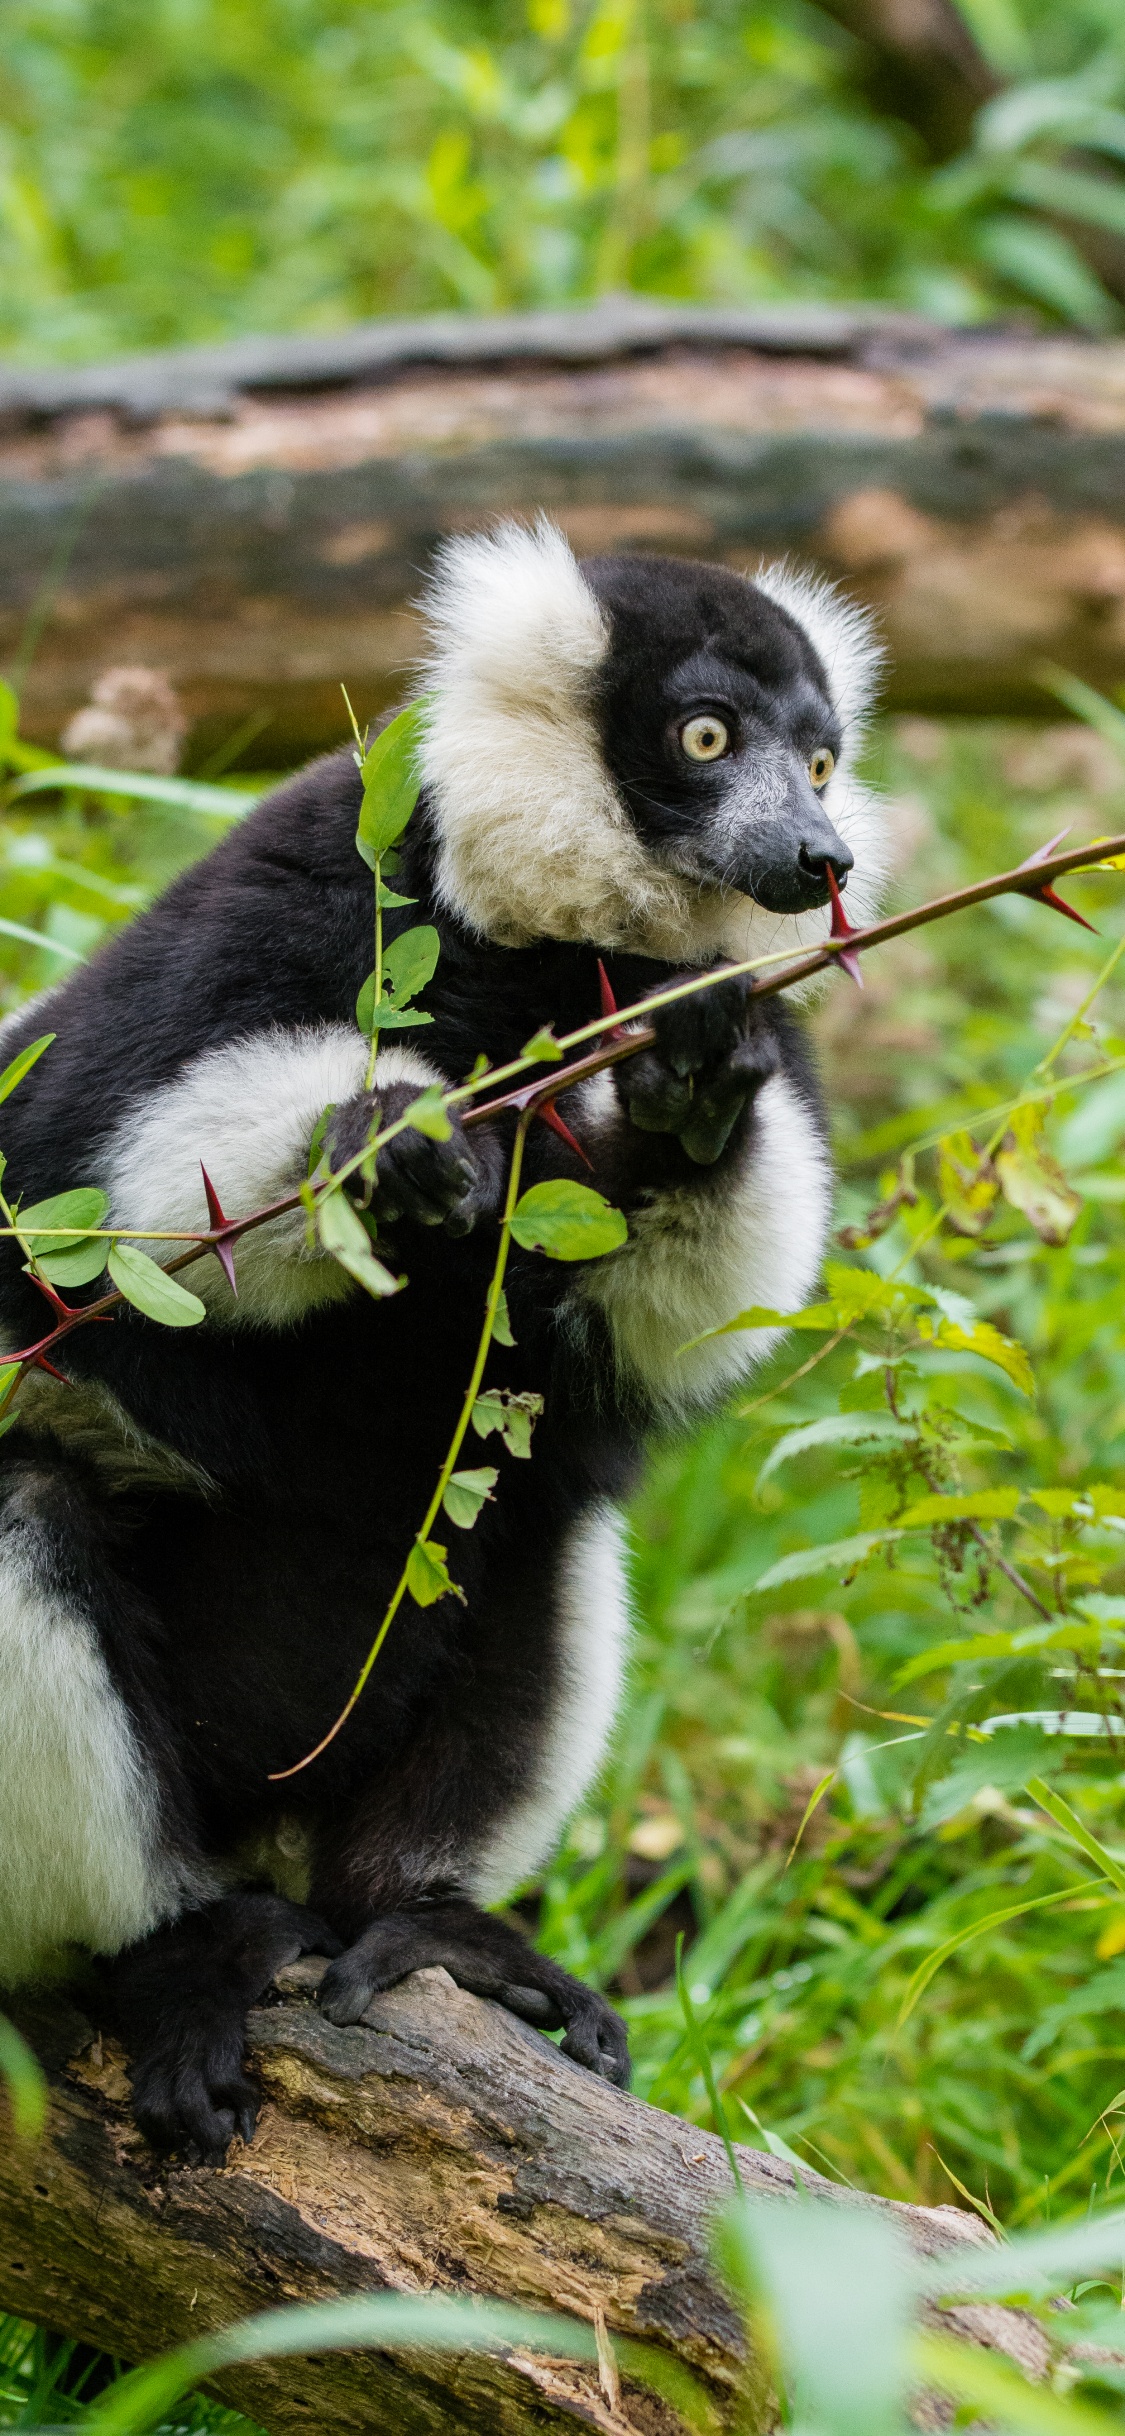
<point x="373" y="1053"/>
<point x="491" y="1308"/>
<point x="698" y="2043"/>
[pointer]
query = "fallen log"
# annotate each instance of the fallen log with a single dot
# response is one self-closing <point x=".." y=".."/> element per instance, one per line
<point x="255" y="518"/>
<point x="439" y="2146"/>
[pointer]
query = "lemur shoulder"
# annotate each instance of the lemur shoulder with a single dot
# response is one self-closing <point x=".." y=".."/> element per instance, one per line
<point x="646" y="761"/>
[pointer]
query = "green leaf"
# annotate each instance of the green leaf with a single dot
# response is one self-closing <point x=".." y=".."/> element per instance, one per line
<point x="27" y="2089"/>
<point x="980" y="1505"/>
<point x="835" y="1429"/>
<point x="427" y="1577"/>
<point x="500" y="1408"/>
<point x="467" y="1492"/>
<point x="343" y="1234"/>
<point x="387" y="2321"/>
<point x="1013" y="1911"/>
<point x="567" y="1221"/>
<point x="83" y="1206"/>
<point x="1076" y="1828"/>
<point x="78" y="1265"/>
<point x="543" y="1046"/>
<point x="384" y="1017"/>
<point x="21" y="1065"/>
<point x="836" y="1555"/>
<point x="982" y="1338"/>
<point x="502" y="1325"/>
<point x="145" y="1284"/>
<point x="410" y="961"/>
<point x="388" y="898"/>
<point x="172" y="794"/>
<point x="427" y="1114"/>
<point x="318" y="1137"/>
<point x="390" y="784"/>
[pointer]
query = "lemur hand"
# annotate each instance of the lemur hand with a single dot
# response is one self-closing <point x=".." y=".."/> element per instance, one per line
<point x="712" y="1053"/>
<point x="429" y="1183"/>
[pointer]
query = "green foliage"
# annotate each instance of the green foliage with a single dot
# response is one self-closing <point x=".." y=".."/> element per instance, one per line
<point x="567" y="1221"/>
<point x="233" y="165"/>
<point x="24" y="2082"/>
<point x="145" y="1284"/>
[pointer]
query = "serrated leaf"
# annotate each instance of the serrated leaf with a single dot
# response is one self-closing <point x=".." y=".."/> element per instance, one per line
<point x="567" y="1221"/>
<point x="502" y="1325"/>
<point x="966" y="1183"/>
<point x="467" y="1492"/>
<point x="982" y="1338"/>
<point x="390" y="784"/>
<point x="543" y="1046"/>
<point x="1033" y="1181"/>
<point x="21" y="1065"/>
<point x="977" y="1505"/>
<point x="835" y="1429"/>
<point x="410" y="961"/>
<point x="835" y="1556"/>
<point x="500" y="1408"/>
<point x="149" y="1288"/>
<point x="343" y="1234"/>
<point x="427" y="1577"/>
<point x="428" y="1115"/>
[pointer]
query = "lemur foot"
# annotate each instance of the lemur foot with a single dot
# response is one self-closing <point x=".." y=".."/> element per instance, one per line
<point x="450" y="1184"/>
<point x="711" y="1055"/>
<point x="490" y="1959"/>
<point x="179" y="2001"/>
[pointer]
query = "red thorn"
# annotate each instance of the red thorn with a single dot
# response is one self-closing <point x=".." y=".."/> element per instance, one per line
<point x="551" y="1117"/>
<point x="218" y="1217"/>
<point x="41" y="1363"/>
<point x="1049" y="896"/>
<point x="609" y="1002"/>
<point x="842" y="928"/>
<point x="1042" y="852"/>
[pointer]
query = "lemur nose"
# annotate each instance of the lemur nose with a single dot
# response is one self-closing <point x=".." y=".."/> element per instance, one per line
<point x="818" y="860"/>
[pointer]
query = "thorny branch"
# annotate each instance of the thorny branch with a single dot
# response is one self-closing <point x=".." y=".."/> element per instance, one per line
<point x="619" y="1033"/>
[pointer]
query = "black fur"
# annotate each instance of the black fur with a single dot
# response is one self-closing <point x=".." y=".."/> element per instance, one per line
<point x="235" y="1621"/>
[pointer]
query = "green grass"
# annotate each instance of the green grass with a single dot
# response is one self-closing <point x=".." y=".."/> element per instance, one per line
<point x="1003" y="2079"/>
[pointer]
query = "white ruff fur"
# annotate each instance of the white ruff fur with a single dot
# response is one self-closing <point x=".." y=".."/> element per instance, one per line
<point x="692" y="1261"/>
<point x="79" y="1833"/>
<point x="534" y="841"/>
<point x="247" y="1112"/>
<point x="593" y="1626"/>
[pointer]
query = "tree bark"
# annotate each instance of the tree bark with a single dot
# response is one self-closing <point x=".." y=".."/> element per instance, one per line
<point x="440" y="2146"/>
<point x="255" y="519"/>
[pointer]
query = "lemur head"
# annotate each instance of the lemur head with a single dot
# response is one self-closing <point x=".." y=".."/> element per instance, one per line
<point x="645" y="753"/>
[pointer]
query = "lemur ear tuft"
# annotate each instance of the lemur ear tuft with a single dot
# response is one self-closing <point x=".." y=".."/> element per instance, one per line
<point x="511" y="616"/>
<point x="843" y="634"/>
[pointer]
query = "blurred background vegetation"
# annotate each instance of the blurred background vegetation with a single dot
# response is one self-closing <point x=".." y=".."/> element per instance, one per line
<point x="191" y="169"/>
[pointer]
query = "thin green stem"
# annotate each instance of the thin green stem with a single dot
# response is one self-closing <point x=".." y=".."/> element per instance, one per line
<point x="1045" y="1063"/>
<point x="492" y="1306"/>
<point x="373" y="1054"/>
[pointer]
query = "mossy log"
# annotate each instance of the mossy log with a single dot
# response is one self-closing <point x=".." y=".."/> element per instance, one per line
<point x="254" y="518"/>
<point x="438" y="2146"/>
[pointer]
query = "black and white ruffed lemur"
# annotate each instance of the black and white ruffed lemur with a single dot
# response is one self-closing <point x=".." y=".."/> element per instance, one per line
<point x="644" y="760"/>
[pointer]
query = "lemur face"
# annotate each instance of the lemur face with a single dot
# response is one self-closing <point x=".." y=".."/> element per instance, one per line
<point x="643" y="753"/>
<point x="718" y="726"/>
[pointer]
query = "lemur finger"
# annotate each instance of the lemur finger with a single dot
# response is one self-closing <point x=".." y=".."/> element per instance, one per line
<point x="694" y="1033"/>
<point x="719" y="1102"/>
<point x="658" y="1100"/>
<point x="422" y="1180"/>
<point x="597" y="2037"/>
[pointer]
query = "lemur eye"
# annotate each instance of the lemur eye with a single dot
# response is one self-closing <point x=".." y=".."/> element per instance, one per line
<point x="705" y="738"/>
<point x="821" y="766"/>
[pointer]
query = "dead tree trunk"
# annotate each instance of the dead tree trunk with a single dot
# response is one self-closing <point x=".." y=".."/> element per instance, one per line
<point x="441" y="2147"/>
<point x="254" y="518"/>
